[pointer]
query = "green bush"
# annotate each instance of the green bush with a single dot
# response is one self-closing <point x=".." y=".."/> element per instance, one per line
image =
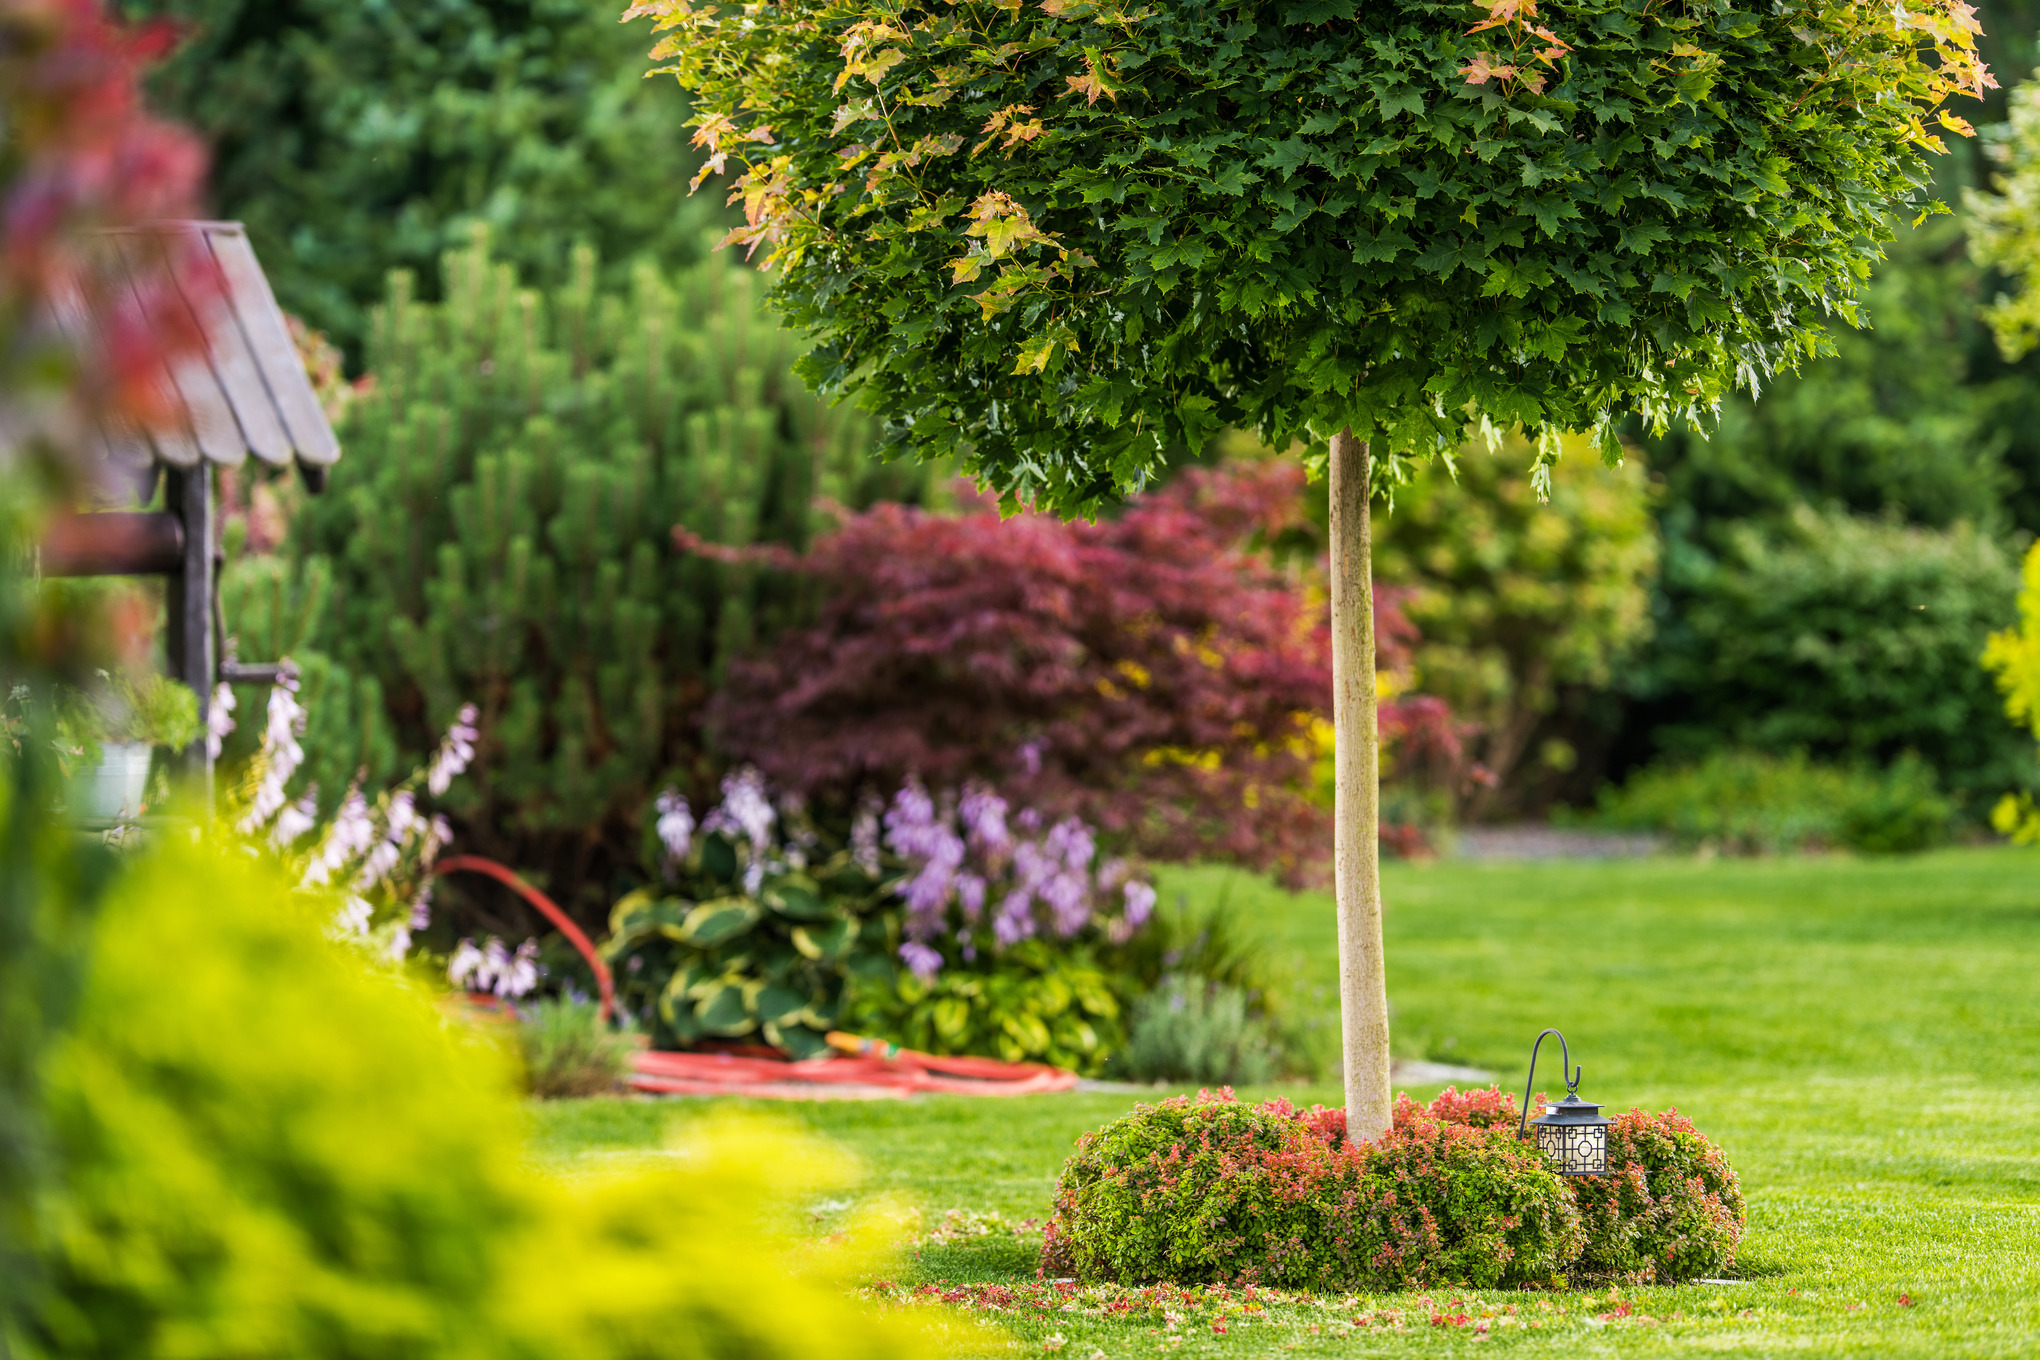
<point x="1194" y="1191"/>
<point x="359" y="138"/>
<point x="1853" y="638"/>
<point x="1520" y="604"/>
<point x="264" y="1149"/>
<point x="1749" y="803"/>
<point x="1195" y="1030"/>
<point x="1669" y="1209"/>
<point x="500" y="532"/>
<point x="568" y="1050"/>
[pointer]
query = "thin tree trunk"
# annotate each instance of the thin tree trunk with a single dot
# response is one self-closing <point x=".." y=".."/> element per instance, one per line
<point x="1356" y="844"/>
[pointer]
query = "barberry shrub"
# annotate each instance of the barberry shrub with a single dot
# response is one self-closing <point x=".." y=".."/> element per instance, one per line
<point x="1669" y="1209"/>
<point x="1213" y="1189"/>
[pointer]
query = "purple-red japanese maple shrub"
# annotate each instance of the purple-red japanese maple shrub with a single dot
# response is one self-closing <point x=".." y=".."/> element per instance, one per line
<point x="1158" y="674"/>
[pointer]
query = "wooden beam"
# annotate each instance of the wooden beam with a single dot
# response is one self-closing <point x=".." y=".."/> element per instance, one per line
<point x="188" y="492"/>
<point x="114" y="543"/>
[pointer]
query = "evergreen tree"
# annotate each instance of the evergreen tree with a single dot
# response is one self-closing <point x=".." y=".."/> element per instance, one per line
<point x="501" y="531"/>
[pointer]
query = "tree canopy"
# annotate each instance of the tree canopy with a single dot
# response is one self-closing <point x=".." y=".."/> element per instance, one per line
<point x="1055" y="240"/>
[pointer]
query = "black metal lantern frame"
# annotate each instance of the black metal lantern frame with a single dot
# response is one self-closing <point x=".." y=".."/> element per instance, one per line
<point x="1572" y="1133"/>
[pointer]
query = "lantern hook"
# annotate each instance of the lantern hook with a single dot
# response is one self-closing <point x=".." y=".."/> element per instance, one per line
<point x="1572" y="1078"/>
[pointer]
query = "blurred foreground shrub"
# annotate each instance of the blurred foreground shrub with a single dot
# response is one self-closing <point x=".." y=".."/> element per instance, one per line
<point x="2013" y="655"/>
<point x="260" y="1148"/>
<point x="1749" y="803"/>
<point x="1855" y="639"/>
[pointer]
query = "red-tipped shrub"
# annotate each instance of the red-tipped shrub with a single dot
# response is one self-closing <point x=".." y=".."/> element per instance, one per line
<point x="1669" y="1209"/>
<point x="1214" y="1190"/>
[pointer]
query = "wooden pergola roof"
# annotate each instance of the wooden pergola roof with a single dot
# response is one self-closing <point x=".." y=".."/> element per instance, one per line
<point x="248" y="392"/>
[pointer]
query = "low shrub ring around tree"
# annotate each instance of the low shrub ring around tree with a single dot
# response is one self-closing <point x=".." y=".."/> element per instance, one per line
<point x="1215" y="1190"/>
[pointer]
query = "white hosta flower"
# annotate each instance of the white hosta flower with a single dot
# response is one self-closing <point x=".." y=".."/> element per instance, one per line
<point x="219" y="719"/>
<point x="281" y="756"/>
<point x="350" y="835"/>
<point x="455" y="752"/>
<point x="354" y="918"/>
<point x="675" y="827"/>
<point x="465" y="963"/>
<point x="295" y="820"/>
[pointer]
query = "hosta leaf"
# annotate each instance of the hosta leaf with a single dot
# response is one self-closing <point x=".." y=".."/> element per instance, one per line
<point x="775" y="1003"/>
<point x="719" y="858"/>
<point x="723" y="1012"/>
<point x="798" y="1040"/>
<point x="712" y="923"/>
<point x="825" y="941"/>
<point x="796" y="897"/>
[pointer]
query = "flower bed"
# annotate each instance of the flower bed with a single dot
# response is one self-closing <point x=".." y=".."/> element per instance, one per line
<point x="1214" y="1190"/>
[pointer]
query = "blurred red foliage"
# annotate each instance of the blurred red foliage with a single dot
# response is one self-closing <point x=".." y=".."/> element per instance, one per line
<point x="1157" y="674"/>
<point x="80" y="155"/>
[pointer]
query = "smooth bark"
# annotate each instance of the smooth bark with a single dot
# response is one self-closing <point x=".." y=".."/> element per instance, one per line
<point x="1356" y="844"/>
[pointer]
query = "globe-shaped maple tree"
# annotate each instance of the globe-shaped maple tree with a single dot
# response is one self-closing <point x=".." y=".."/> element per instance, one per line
<point x="1055" y="239"/>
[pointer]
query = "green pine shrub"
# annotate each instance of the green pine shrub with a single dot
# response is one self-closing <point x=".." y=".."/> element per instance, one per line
<point x="1670" y="1209"/>
<point x="1211" y="1189"/>
<point x="262" y="1147"/>
<point x="1752" y="803"/>
<point x="1195" y="1030"/>
<point x="568" y="1051"/>
<point x="500" y="531"/>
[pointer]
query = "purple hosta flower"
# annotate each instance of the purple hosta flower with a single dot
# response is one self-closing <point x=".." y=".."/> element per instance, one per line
<point x="864" y="834"/>
<point x="350" y="835"/>
<point x="219" y="719"/>
<point x="454" y="753"/>
<point x="1015" y="919"/>
<point x="970" y="895"/>
<point x="1030" y="756"/>
<point x="1140" y="903"/>
<point x="983" y="814"/>
<point x="745" y="810"/>
<point x="933" y="851"/>
<point x="281" y="756"/>
<point x="924" y="962"/>
<point x="675" y="828"/>
<point x="399" y="943"/>
<point x="296" y="819"/>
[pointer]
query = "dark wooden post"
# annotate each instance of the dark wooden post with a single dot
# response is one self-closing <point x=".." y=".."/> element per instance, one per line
<point x="187" y="493"/>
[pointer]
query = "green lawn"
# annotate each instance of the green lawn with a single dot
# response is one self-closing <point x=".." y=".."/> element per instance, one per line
<point x="1862" y="1036"/>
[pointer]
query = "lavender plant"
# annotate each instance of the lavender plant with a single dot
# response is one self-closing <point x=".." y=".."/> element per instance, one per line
<point x="763" y="925"/>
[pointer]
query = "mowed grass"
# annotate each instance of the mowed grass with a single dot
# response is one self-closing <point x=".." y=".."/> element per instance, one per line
<point x="1863" y="1036"/>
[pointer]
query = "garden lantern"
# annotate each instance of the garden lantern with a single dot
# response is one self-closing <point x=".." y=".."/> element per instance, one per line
<point x="1572" y="1132"/>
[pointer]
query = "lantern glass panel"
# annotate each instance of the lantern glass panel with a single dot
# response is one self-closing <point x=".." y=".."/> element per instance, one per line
<point x="1579" y="1149"/>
